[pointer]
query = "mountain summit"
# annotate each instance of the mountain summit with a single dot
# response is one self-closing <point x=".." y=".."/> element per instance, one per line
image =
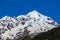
<point x="34" y="21"/>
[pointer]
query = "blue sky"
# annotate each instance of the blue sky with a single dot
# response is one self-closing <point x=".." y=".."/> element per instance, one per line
<point x="18" y="7"/>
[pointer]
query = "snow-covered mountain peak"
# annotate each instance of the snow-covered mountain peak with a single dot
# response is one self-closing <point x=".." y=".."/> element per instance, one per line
<point x="34" y="21"/>
<point x="18" y="17"/>
<point x="6" y="18"/>
<point x="34" y="14"/>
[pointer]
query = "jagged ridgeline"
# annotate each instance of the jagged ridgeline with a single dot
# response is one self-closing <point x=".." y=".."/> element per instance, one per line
<point x="31" y="24"/>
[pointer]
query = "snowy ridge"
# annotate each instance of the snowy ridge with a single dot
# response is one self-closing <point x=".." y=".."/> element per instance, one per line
<point x="34" y="21"/>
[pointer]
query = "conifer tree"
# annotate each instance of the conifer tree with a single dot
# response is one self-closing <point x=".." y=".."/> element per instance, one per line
<point x="8" y="38"/>
<point x="26" y="35"/>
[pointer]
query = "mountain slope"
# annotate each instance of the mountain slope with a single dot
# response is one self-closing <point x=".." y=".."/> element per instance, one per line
<point x="53" y="34"/>
<point x="34" y="21"/>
